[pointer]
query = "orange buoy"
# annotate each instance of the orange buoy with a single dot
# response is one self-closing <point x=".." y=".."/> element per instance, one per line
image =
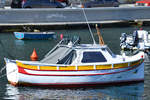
<point x="34" y="56"/>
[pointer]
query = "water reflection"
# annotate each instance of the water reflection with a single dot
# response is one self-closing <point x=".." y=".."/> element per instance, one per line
<point x="126" y="92"/>
<point x="11" y="92"/>
<point x="19" y="42"/>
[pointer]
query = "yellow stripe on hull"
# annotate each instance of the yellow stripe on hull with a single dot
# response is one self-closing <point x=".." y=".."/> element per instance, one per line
<point x="47" y="68"/>
<point x="26" y="66"/>
<point x="87" y="67"/>
<point x="135" y="63"/>
<point x="90" y="67"/>
<point x="67" y="68"/>
<point x="100" y="67"/>
<point x="120" y="65"/>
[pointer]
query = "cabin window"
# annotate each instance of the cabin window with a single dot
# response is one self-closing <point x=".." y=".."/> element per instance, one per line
<point x="90" y="57"/>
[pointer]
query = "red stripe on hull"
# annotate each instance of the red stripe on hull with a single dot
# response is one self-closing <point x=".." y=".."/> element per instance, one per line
<point x="22" y="71"/>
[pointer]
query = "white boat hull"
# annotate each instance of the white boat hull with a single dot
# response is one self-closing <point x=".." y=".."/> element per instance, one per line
<point x="21" y="76"/>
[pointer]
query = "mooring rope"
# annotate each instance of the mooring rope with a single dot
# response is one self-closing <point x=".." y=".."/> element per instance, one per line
<point x="2" y="69"/>
<point x="1" y="76"/>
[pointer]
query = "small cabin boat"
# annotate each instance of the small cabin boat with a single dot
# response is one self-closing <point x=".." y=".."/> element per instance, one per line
<point x="70" y="64"/>
<point x="140" y="39"/>
<point x="34" y="35"/>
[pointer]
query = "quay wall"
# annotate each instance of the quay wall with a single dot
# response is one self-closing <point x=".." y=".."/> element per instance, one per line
<point x="59" y="16"/>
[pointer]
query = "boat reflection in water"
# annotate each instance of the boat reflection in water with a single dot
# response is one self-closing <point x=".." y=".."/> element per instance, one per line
<point x="19" y="42"/>
<point x="124" y="92"/>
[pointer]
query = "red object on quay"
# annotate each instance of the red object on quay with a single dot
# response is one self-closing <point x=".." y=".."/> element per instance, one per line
<point x="143" y="3"/>
<point x="34" y="56"/>
<point x="62" y="0"/>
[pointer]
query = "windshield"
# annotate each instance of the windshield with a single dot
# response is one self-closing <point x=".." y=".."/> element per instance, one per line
<point x="91" y="57"/>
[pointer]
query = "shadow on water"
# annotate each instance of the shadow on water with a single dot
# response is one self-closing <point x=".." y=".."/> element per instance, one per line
<point x="124" y="92"/>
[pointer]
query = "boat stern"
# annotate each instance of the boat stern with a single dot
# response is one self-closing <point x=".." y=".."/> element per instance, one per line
<point x="19" y="35"/>
<point x="138" y="71"/>
<point x="11" y="71"/>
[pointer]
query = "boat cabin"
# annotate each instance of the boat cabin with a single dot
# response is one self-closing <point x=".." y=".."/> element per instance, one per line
<point x="80" y="54"/>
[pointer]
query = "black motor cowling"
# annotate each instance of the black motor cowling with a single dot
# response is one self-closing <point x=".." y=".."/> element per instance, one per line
<point x="123" y="37"/>
<point x="135" y="38"/>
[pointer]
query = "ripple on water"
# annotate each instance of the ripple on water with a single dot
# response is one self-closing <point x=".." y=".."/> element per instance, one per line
<point x="124" y="92"/>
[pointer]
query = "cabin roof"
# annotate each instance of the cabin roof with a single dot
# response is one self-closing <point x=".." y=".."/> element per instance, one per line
<point x="66" y="54"/>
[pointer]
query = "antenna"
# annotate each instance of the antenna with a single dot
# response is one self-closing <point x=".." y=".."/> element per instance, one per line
<point x="88" y="24"/>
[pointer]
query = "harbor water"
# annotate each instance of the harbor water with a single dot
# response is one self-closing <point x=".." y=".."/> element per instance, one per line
<point x="22" y="49"/>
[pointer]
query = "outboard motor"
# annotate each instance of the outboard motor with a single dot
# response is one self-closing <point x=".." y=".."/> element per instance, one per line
<point x="123" y="37"/>
<point x="135" y="38"/>
<point x="123" y="40"/>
